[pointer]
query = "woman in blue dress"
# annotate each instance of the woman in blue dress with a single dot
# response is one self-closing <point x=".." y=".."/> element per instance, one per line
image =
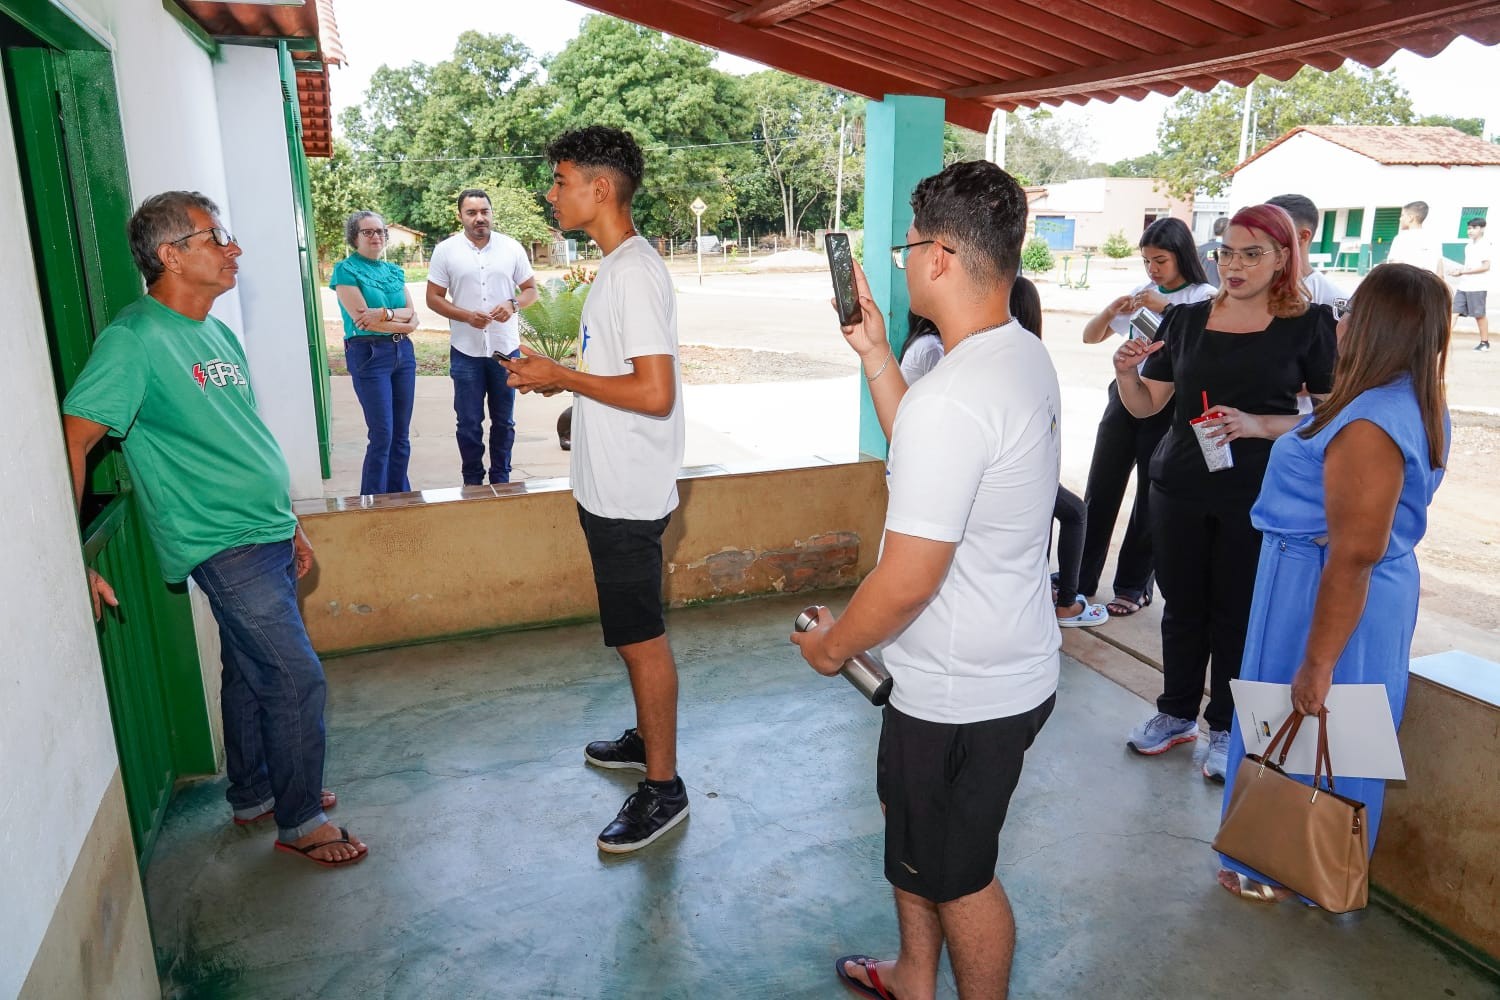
<point x="378" y="319"/>
<point x="1342" y="507"/>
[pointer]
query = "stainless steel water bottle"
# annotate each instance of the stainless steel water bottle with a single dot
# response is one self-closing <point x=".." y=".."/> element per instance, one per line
<point x="861" y="670"/>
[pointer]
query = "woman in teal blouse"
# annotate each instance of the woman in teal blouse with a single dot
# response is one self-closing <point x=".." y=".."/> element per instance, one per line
<point x="378" y="319"/>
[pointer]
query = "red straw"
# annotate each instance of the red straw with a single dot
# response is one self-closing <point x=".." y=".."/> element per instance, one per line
<point x="1205" y="400"/>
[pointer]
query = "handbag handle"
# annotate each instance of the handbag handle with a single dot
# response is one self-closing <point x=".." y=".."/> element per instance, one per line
<point x="1322" y="763"/>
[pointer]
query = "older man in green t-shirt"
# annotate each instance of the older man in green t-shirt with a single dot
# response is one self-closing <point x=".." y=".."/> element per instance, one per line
<point x="172" y="383"/>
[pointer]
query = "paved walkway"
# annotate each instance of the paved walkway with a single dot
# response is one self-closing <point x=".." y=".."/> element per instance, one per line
<point x="461" y="764"/>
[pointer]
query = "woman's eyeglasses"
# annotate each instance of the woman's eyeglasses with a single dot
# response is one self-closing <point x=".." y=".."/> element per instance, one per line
<point x="1250" y="256"/>
<point x="375" y="233"/>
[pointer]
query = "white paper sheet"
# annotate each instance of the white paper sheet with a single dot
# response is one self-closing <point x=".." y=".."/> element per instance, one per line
<point x="1361" y="733"/>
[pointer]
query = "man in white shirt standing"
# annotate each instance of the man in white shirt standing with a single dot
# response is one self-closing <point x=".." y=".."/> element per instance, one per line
<point x="479" y="280"/>
<point x="960" y="592"/>
<point x="628" y="436"/>
<point x="1415" y="245"/>
<point x="1474" y="282"/>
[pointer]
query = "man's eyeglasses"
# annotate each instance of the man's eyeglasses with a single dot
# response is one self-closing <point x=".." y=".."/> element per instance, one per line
<point x="383" y="234"/>
<point x="221" y="236"/>
<point x="1250" y="256"/>
<point x="899" y="254"/>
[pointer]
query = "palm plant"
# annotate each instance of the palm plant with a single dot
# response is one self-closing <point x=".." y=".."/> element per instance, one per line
<point x="550" y="325"/>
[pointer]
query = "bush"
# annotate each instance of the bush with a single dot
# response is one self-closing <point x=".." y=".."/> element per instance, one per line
<point x="1116" y="245"/>
<point x="1036" y="256"/>
<point x="550" y="325"/>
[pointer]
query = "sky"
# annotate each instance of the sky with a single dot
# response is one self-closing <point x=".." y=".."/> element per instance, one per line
<point x="1462" y="80"/>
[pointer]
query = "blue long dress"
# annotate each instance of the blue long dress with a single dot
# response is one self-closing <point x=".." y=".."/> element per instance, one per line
<point x="1292" y="514"/>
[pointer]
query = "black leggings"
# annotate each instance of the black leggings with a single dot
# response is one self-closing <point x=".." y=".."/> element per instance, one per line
<point x="1122" y="443"/>
<point x="1206" y="556"/>
<point x="1071" y="521"/>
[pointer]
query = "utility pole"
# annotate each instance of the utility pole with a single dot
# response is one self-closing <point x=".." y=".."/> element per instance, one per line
<point x="994" y="139"/>
<point x="1245" y="124"/>
<point x="838" y="189"/>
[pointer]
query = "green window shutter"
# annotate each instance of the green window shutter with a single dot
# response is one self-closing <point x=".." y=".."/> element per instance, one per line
<point x="1355" y="224"/>
<point x="1330" y="242"/>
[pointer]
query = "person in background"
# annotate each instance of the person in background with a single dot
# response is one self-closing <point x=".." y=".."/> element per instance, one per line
<point x="171" y="383"/>
<point x="479" y="280"/>
<point x="1415" y="245"/>
<point x="1320" y="291"/>
<point x="959" y="592"/>
<point x="1207" y="250"/>
<point x="1474" y="281"/>
<point x="919" y="355"/>
<point x="378" y="319"/>
<point x="1239" y="360"/>
<point x="1125" y="442"/>
<point x="1342" y="508"/>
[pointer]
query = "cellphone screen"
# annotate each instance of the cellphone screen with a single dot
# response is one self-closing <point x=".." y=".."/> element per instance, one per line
<point x="841" y="267"/>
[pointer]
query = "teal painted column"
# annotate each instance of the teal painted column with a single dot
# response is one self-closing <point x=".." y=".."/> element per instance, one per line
<point x="903" y="144"/>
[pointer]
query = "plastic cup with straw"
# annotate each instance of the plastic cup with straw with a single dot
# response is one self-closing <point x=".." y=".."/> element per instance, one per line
<point x="1215" y="453"/>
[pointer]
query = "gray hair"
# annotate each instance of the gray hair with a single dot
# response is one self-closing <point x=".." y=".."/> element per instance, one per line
<point x="162" y="218"/>
<point x="351" y="225"/>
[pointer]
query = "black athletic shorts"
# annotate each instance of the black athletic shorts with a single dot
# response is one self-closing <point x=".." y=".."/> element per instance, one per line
<point x="946" y="789"/>
<point x="627" y="576"/>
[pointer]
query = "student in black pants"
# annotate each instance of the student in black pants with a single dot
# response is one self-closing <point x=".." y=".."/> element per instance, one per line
<point x="1125" y="442"/>
<point x="1234" y="367"/>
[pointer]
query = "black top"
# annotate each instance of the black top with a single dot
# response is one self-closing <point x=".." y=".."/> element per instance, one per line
<point x="1254" y="372"/>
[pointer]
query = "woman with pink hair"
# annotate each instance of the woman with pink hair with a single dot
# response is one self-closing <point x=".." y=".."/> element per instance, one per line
<point x="1231" y="368"/>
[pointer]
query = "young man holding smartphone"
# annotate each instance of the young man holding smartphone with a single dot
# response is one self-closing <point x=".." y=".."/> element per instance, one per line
<point x="628" y="436"/>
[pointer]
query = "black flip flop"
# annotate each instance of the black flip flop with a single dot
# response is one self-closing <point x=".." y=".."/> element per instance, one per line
<point x="306" y="852"/>
<point x="877" y="992"/>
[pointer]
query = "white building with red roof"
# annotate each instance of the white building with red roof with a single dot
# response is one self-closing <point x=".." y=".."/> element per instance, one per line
<point x="1360" y="176"/>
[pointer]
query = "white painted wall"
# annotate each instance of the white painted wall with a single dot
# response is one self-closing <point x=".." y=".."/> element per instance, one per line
<point x="1336" y="178"/>
<point x="57" y="751"/>
<point x="260" y="185"/>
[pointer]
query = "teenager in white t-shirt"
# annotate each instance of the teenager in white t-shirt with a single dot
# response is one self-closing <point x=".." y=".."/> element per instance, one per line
<point x="479" y="280"/>
<point x="960" y="593"/>
<point x="1415" y="245"/>
<point x="1474" y="281"/>
<point x="627" y="453"/>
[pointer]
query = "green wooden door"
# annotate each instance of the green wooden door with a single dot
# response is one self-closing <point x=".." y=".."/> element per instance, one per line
<point x="68" y="136"/>
<point x="1387" y="225"/>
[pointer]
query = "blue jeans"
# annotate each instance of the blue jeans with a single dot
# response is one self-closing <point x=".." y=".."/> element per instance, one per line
<point x="475" y="381"/>
<point x="273" y="687"/>
<point x="385" y="381"/>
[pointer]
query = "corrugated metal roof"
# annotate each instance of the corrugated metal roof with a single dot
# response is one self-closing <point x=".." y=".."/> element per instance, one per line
<point x="1413" y="145"/>
<point x="303" y="21"/>
<point x="986" y="54"/>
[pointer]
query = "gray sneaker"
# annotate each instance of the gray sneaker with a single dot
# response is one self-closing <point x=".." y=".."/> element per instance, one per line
<point x="1161" y="733"/>
<point x="1216" y="760"/>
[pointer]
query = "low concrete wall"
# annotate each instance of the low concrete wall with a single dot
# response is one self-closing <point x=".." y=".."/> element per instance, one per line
<point x="408" y="570"/>
<point x="1437" y="855"/>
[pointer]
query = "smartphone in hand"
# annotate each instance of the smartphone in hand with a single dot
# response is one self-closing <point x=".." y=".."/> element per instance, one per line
<point x="841" y="266"/>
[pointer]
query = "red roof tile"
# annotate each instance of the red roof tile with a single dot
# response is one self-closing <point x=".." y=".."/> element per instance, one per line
<point x="1416" y="145"/>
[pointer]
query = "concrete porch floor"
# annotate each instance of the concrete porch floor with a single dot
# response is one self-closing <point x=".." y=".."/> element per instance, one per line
<point x="461" y="765"/>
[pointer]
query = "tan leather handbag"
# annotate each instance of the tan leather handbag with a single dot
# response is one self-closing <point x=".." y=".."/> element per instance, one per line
<point x="1311" y="840"/>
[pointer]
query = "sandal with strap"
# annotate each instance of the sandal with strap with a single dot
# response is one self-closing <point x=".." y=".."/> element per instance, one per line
<point x="876" y="990"/>
<point x="306" y="852"/>
<point x="1124" y="605"/>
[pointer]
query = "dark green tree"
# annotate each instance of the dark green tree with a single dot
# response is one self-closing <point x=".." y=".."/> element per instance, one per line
<point x="341" y="185"/>
<point x="1468" y="126"/>
<point x="1200" y="135"/>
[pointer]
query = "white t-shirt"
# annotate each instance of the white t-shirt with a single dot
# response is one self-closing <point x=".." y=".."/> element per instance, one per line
<point x="1185" y="295"/>
<point x="626" y="464"/>
<point x="1418" y="247"/>
<point x="1477" y="252"/>
<point x="974" y="459"/>
<point x="922" y="357"/>
<point x="479" y="279"/>
<point x="1322" y="291"/>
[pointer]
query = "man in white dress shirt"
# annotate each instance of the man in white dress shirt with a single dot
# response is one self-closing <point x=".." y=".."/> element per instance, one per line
<point x="479" y="280"/>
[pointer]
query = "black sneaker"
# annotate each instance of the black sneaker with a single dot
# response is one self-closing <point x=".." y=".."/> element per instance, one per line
<point x="646" y="815"/>
<point x="627" y="751"/>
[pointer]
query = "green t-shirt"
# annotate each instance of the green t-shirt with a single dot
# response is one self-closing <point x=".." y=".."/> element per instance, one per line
<point x="208" y="473"/>
<point x="382" y="283"/>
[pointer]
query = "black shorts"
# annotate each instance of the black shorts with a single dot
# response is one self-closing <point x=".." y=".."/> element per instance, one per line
<point x="627" y="576"/>
<point x="946" y="789"/>
<point x="1470" y="304"/>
